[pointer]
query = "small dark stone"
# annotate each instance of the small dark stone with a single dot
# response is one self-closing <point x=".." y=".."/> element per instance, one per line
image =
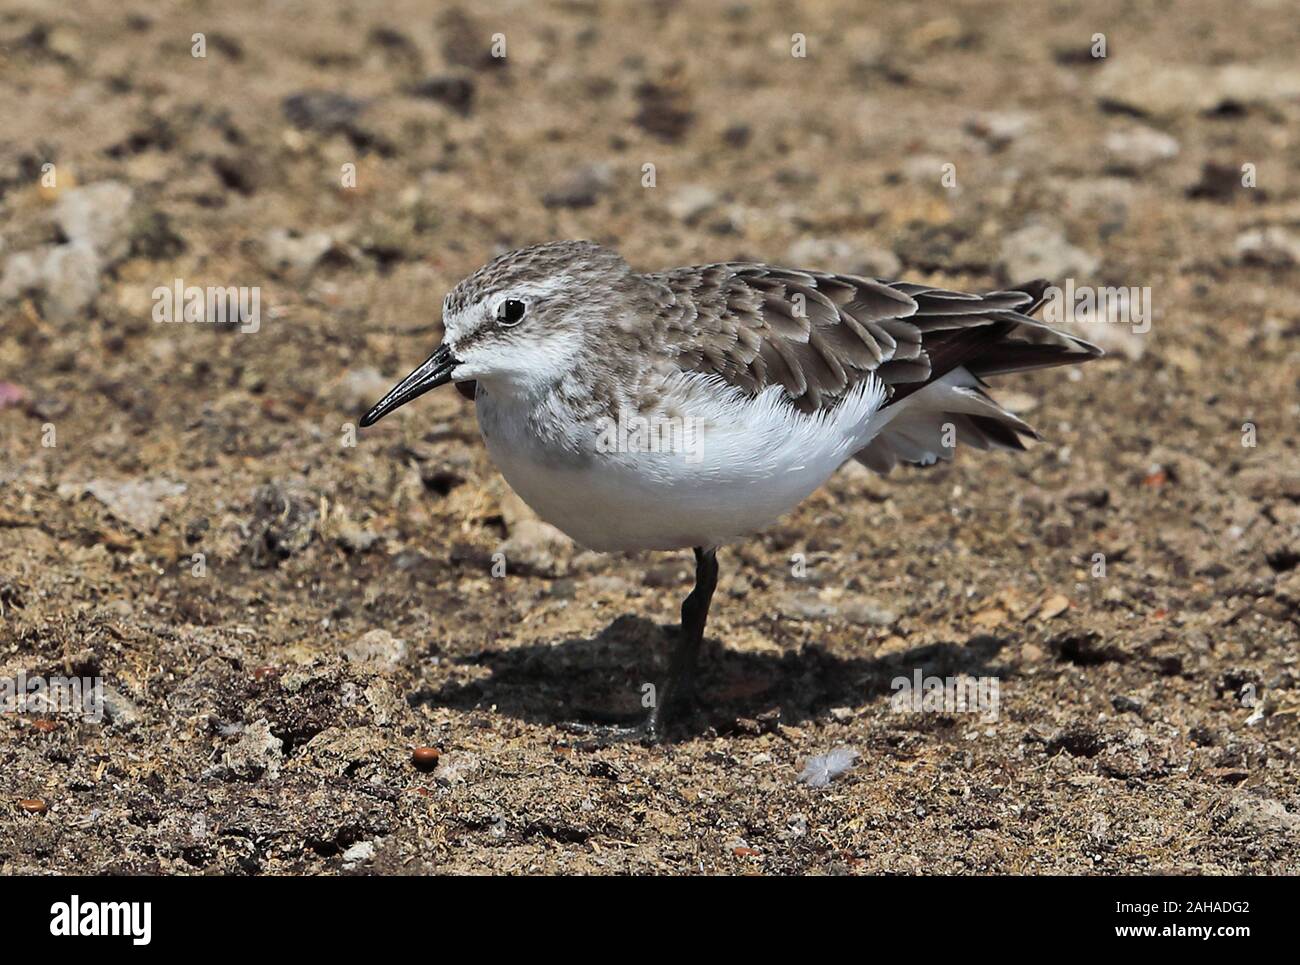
<point x="155" y="134"/>
<point x="195" y="529"/>
<point x="1222" y="183"/>
<point x="227" y="45"/>
<point x="239" y="174"/>
<point x="1077" y="55"/>
<point x="1125" y="704"/>
<point x="283" y="524"/>
<point x="321" y="110"/>
<point x="440" y="477"/>
<point x="1077" y="740"/>
<point x="153" y="237"/>
<point x="465" y="42"/>
<point x="664" y="112"/>
<point x="457" y="92"/>
<point x="737" y="135"/>
<point x="390" y="38"/>
<point x="1090" y="498"/>
<point x="1085" y="649"/>
<point x="398" y="49"/>
<point x="1283" y="560"/>
<point x="470" y="556"/>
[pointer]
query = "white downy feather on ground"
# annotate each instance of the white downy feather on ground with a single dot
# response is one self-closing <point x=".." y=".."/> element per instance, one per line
<point x="820" y="770"/>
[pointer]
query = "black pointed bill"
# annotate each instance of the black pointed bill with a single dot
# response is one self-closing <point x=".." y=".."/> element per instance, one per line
<point x="435" y="371"/>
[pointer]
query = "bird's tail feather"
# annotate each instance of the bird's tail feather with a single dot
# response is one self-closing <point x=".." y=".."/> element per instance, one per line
<point x="923" y="423"/>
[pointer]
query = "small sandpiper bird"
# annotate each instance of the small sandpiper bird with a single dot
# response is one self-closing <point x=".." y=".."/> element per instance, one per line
<point x="688" y="408"/>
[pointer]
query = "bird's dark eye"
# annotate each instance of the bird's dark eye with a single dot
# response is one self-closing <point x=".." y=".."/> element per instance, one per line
<point x="511" y="312"/>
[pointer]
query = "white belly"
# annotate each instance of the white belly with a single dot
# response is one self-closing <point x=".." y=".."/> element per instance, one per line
<point x="750" y="462"/>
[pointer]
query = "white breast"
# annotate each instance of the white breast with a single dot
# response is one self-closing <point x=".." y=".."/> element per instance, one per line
<point x="750" y="462"/>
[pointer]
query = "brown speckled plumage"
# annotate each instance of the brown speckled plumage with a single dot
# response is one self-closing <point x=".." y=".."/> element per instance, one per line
<point x="819" y="334"/>
<point x="816" y="334"/>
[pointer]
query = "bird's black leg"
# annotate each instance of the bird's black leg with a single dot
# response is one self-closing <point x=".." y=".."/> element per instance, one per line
<point x="679" y="690"/>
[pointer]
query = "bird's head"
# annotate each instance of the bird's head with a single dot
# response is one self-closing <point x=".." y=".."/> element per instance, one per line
<point x="523" y="321"/>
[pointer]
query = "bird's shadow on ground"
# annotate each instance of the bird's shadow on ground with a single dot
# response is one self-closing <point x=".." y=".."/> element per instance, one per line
<point x="601" y="679"/>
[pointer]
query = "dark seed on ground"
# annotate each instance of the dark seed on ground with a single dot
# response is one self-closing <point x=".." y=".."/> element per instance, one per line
<point x="425" y="758"/>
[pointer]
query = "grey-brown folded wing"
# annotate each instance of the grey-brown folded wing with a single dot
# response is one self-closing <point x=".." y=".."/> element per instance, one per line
<point x="819" y="335"/>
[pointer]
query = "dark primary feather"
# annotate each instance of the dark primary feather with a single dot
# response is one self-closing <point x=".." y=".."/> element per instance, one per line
<point x="819" y="335"/>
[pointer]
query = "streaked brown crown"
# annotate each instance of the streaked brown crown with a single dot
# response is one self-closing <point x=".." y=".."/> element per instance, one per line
<point x="583" y="268"/>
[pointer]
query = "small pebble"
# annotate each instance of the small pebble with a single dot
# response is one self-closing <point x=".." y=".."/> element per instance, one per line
<point x="425" y="758"/>
<point x="359" y="853"/>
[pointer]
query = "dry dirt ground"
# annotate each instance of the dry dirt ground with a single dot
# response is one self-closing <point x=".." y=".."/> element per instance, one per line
<point x="280" y="617"/>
